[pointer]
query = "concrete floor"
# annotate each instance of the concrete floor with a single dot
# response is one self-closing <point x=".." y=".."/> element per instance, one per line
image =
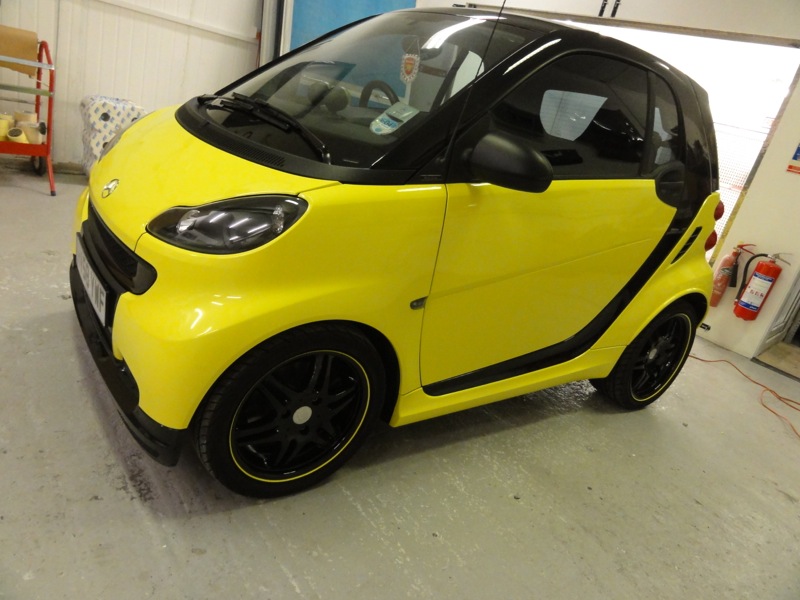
<point x="556" y="495"/>
<point x="784" y="357"/>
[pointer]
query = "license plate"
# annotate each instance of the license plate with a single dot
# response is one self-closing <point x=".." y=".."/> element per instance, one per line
<point x="95" y="289"/>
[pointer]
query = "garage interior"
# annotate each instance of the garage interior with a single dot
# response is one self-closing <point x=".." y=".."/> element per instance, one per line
<point x="556" y="494"/>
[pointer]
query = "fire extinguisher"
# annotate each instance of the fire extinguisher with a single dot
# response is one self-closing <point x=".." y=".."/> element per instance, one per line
<point x="752" y="297"/>
<point x="726" y="272"/>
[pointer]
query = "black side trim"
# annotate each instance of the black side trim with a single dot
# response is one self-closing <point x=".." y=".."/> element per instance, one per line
<point x="572" y="347"/>
<point x="688" y="244"/>
<point x="546" y="357"/>
<point x="162" y="443"/>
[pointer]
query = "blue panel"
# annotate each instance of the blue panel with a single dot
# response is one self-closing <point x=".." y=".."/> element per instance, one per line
<point x="312" y="18"/>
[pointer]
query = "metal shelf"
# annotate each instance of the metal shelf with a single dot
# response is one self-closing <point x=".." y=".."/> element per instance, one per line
<point x="41" y="154"/>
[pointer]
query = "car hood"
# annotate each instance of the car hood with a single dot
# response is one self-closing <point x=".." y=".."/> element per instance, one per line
<point x="157" y="165"/>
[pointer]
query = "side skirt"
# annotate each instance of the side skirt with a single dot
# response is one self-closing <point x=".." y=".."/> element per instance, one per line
<point x="419" y="405"/>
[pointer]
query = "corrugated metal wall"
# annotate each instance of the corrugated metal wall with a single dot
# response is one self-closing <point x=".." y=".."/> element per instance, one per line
<point x="153" y="52"/>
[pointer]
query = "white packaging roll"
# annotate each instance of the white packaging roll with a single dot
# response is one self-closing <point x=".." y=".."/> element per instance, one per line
<point x="26" y="116"/>
<point x="17" y="135"/>
<point x="33" y="131"/>
<point x="103" y="117"/>
<point x="4" y="127"/>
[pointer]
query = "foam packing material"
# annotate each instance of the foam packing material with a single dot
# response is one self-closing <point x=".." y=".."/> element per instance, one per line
<point x="103" y="117"/>
<point x="17" y="135"/>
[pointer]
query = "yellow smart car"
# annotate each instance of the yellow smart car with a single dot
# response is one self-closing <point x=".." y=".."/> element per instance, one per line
<point x="420" y="213"/>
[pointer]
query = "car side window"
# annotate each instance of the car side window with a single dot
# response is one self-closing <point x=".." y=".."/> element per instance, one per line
<point x="587" y="114"/>
<point x="666" y="132"/>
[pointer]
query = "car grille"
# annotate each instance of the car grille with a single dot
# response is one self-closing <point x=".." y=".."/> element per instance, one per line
<point x="119" y="266"/>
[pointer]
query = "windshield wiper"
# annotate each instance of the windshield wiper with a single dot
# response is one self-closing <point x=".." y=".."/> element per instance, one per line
<point x="267" y="113"/>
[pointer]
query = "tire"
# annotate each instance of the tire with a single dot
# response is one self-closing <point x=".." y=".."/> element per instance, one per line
<point x="291" y="411"/>
<point x="39" y="165"/>
<point x="651" y="362"/>
<point x="599" y="384"/>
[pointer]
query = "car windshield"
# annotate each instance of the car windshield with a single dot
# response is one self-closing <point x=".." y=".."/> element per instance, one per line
<point x="348" y="99"/>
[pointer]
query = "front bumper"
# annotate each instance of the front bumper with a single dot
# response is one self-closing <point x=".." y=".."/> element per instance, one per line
<point x="162" y="443"/>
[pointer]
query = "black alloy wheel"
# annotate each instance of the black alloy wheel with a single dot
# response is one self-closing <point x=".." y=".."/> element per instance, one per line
<point x="292" y="411"/>
<point x="651" y="362"/>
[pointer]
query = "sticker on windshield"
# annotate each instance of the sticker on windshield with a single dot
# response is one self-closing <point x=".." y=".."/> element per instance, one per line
<point x="393" y="118"/>
<point x="410" y="67"/>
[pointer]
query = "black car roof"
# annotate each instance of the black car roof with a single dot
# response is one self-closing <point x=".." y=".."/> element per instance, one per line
<point x="574" y="37"/>
<point x="509" y="17"/>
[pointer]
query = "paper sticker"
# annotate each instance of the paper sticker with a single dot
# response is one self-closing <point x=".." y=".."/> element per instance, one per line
<point x="393" y="118"/>
<point x="410" y="67"/>
<point x="383" y="125"/>
<point x="794" y="164"/>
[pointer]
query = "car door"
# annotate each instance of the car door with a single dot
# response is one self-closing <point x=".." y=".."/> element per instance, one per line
<point x="520" y="275"/>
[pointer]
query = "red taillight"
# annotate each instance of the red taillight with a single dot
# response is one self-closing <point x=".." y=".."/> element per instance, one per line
<point x="718" y="212"/>
<point x="711" y="241"/>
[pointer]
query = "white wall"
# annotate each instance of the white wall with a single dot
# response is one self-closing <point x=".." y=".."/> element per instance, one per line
<point x="152" y="52"/>
<point x="769" y="217"/>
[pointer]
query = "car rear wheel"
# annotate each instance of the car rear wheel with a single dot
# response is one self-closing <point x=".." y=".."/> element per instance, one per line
<point x="651" y="362"/>
<point x="291" y="411"/>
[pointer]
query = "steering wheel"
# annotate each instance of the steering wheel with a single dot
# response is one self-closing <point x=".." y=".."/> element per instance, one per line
<point x="377" y="84"/>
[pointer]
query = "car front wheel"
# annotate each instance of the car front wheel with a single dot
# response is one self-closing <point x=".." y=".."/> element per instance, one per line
<point x="291" y="411"/>
<point x="651" y="362"/>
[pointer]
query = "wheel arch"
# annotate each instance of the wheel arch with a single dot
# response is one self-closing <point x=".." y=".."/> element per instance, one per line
<point x="282" y="454"/>
<point x="384" y="347"/>
<point x="697" y="301"/>
<point x="649" y="363"/>
<point x="388" y="358"/>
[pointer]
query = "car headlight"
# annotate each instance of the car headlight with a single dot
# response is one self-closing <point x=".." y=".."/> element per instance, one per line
<point x="228" y="226"/>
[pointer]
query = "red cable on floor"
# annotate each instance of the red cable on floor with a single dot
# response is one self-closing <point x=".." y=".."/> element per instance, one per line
<point x="793" y="404"/>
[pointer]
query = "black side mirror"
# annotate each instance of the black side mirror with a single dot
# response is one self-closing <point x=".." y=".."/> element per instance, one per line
<point x="510" y="161"/>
